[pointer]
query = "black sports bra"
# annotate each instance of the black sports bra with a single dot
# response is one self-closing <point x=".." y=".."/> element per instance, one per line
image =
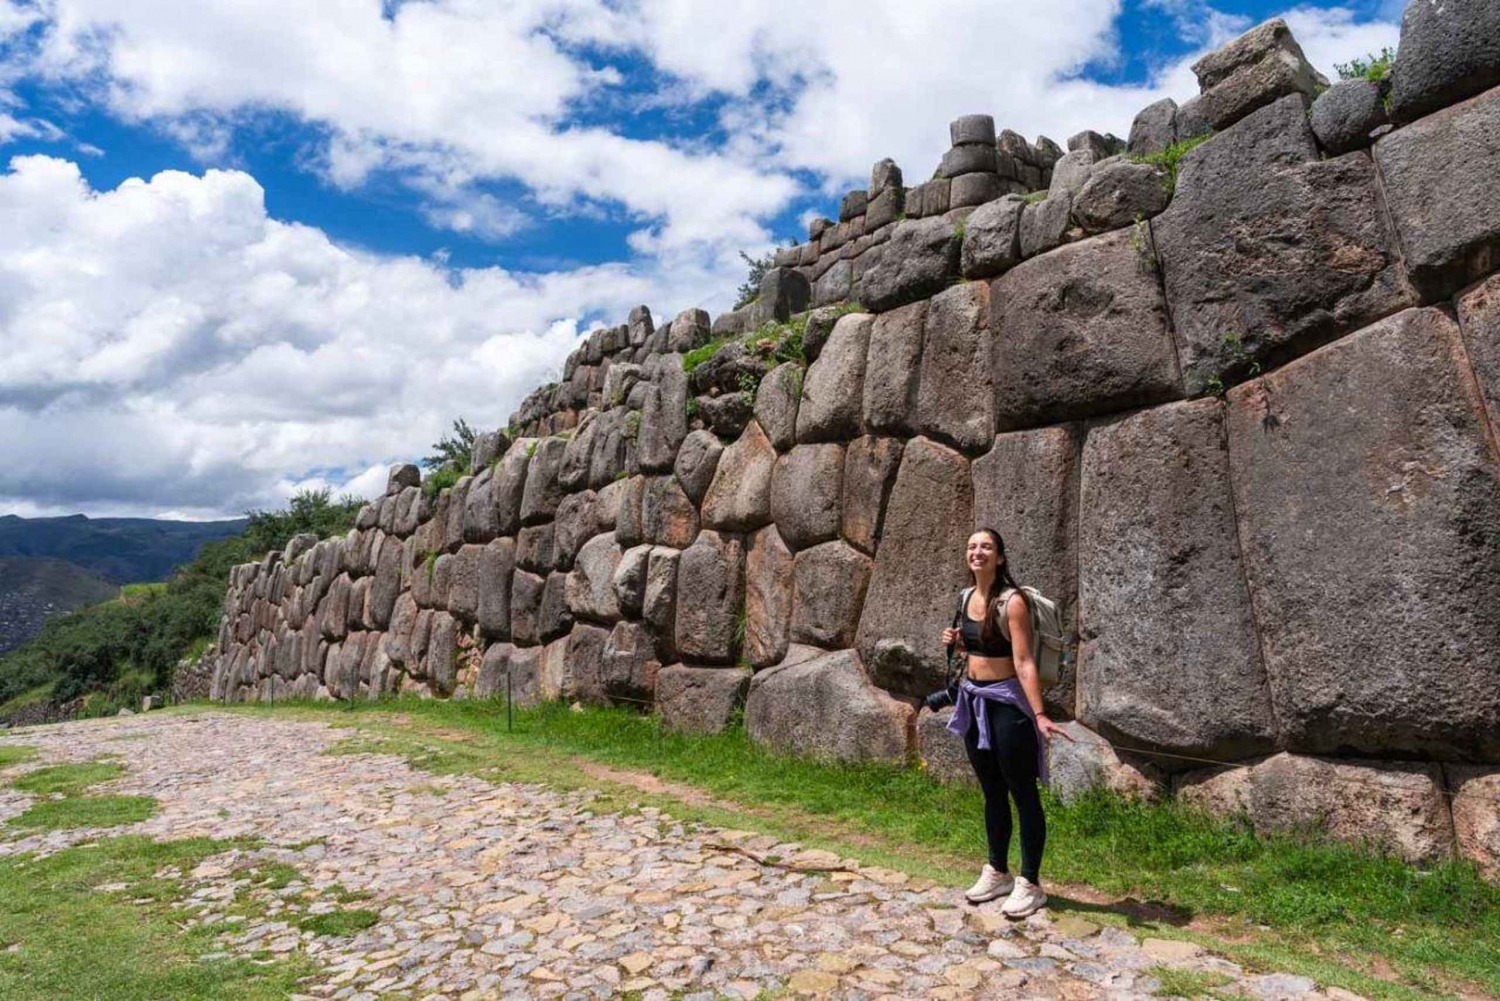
<point x="999" y="645"/>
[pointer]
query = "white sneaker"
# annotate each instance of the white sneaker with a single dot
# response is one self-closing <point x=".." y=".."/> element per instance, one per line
<point x="1026" y="898"/>
<point x="992" y="883"/>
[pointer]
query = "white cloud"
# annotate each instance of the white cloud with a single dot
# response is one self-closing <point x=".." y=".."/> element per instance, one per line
<point x="169" y="346"/>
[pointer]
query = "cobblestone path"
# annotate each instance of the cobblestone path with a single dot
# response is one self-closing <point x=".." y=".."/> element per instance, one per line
<point x="518" y="891"/>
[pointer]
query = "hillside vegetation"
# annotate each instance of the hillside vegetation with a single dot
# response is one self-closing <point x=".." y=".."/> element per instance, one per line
<point x="110" y="654"/>
<point x="34" y="589"/>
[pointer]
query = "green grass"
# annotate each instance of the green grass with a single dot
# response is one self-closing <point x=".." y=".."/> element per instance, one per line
<point x="339" y="923"/>
<point x="14" y="754"/>
<point x="1170" y="159"/>
<point x="440" y="479"/>
<point x="135" y="592"/>
<point x="63" y="937"/>
<point x="1186" y="983"/>
<point x="69" y="779"/>
<point x="30" y="697"/>
<point x="697" y="356"/>
<point x="85" y="811"/>
<point x="1301" y="904"/>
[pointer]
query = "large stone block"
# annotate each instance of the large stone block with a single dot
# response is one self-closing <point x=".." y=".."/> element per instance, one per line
<point x="893" y="369"/>
<point x="1118" y="193"/>
<point x="1476" y="815"/>
<point x="663" y="420"/>
<point x="1438" y="175"/>
<point x="940" y="752"/>
<point x="1345" y="114"/>
<point x="783" y="291"/>
<point x="580" y="673"/>
<point x="1268" y="251"/>
<point x="1168" y="657"/>
<point x="992" y="238"/>
<point x="508" y="486"/>
<point x="805" y="491"/>
<point x="628" y="528"/>
<point x="479" y="519"/>
<point x="1154" y="128"/>
<point x="1368" y="464"/>
<point x="1449" y="51"/>
<point x="921" y="256"/>
<point x="1395" y="805"/>
<point x="577" y="522"/>
<point x="578" y="455"/>
<point x="497" y="563"/>
<point x="776" y="404"/>
<point x="739" y="496"/>
<point x="659" y="599"/>
<point x="689" y="329"/>
<point x="920" y="571"/>
<point x="536" y="547"/>
<point x="1088" y="762"/>
<point x="591" y="593"/>
<point x="1078" y="333"/>
<point x="387" y="582"/>
<point x="829" y="591"/>
<point x="834" y="285"/>
<point x="1260" y="66"/>
<point x="826" y="707"/>
<point x="554" y="618"/>
<point x="768" y="598"/>
<point x="543" y="492"/>
<point x="526" y="591"/>
<point x="442" y="653"/>
<point x="668" y="517"/>
<point x="870" y="466"/>
<point x="463" y="583"/>
<point x="629" y="580"/>
<point x="710" y="599"/>
<point x="832" y="389"/>
<point x="628" y="671"/>
<point x="696" y="463"/>
<point x="1044" y="225"/>
<point x="954" y="394"/>
<point x="699" y="699"/>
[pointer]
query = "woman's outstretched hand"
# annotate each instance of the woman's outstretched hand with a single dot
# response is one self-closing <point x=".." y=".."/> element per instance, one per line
<point x="1047" y="728"/>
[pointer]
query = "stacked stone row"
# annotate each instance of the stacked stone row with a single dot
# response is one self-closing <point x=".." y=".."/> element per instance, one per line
<point x="1248" y="440"/>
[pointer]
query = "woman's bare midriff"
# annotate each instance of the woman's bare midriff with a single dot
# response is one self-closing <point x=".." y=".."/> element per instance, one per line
<point x="991" y="668"/>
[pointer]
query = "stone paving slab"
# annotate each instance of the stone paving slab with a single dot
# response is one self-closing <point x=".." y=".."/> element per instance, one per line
<point x="517" y="891"/>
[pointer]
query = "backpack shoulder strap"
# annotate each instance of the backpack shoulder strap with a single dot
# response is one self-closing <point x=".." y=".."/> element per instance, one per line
<point x="963" y="601"/>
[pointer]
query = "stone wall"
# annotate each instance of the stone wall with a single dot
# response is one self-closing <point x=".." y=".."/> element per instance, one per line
<point x="1239" y="416"/>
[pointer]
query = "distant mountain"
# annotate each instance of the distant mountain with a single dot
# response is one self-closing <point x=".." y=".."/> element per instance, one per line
<point x="34" y="590"/>
<point x="120" y="550"/>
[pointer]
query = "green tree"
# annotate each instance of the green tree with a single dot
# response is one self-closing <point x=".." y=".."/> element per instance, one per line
<point x="456" y="449"/>
<point x="751" y="287"/>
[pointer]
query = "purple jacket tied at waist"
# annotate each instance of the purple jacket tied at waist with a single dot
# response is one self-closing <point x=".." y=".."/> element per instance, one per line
<point x="966" y="708"/>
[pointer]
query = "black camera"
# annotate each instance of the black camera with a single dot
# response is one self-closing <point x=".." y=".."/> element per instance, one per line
<point x="942" y="698"/>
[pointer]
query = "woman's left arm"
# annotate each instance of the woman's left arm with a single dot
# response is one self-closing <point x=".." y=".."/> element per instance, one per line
<point x="1019" y="618"/>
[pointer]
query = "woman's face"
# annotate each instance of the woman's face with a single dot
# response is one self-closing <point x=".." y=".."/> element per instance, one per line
<point x="980" y="553"/>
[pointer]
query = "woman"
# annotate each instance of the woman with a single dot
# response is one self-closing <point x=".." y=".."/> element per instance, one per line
<point x="1000" y="716"/>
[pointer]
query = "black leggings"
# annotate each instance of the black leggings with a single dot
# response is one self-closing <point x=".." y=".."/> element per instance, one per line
<point x="1008" y="769"/>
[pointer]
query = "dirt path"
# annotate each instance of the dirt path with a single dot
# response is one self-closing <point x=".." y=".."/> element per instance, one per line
<point x="519" y="891"/>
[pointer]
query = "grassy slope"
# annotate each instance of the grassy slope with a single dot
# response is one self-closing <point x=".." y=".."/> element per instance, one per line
<point x="1349" y="919"/>
<point x="33" y="589"/>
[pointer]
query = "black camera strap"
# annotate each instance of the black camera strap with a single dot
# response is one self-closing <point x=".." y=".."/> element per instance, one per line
<point x="963" y="599"/>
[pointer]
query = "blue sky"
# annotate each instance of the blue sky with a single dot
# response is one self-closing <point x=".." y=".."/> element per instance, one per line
<point x="374" y="219"/>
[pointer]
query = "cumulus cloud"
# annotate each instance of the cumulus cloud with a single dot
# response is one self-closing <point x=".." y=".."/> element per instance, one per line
<point x="169" y="345"/>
